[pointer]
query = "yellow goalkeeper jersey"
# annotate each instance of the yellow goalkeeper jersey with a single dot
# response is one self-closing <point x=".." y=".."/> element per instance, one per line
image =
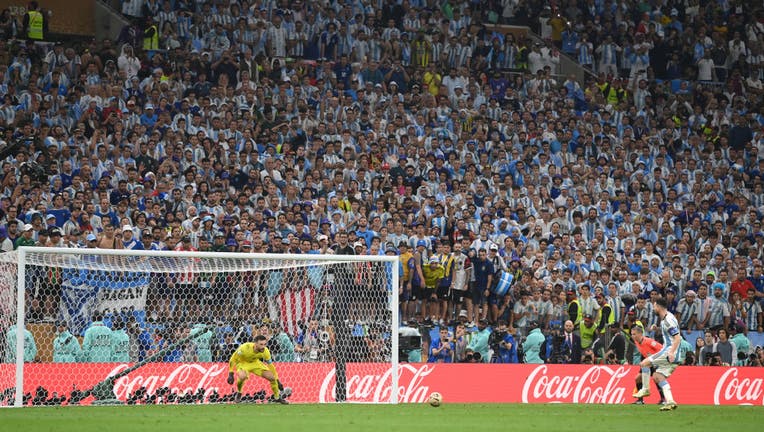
<point x="246" y="354"/>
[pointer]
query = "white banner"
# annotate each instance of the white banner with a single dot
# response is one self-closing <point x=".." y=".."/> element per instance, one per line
<point x="88" y="292"/>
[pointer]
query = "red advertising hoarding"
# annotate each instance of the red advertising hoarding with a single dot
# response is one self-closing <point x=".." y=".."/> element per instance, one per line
<point x="459" y="383"/>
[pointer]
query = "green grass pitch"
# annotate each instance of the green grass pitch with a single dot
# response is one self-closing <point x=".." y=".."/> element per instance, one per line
<point x="387" y="418"/>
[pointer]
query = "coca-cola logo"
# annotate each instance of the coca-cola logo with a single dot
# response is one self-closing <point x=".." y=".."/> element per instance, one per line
<point x="378" y="388"/>
<point x="184" y="379"/>
<point x="741" y="391"/>
<point x="598" y="384"/>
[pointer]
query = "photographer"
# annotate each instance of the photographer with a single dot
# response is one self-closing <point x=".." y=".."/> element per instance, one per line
<point x="479" y="342"/>
<point x="66" y="347"/>
<point x="442" y="348"/>
<point x="616" y="349"/>
<point x="471" y="356"/>
<point x="587" y="357"/>
<point x="533" y="343"/>
<point x="281" y="345"/>
<point x="503" y="345"/>
<point x="461" y="339"/>
<point x="742" y="343"/>
<point x="309" y="343"/>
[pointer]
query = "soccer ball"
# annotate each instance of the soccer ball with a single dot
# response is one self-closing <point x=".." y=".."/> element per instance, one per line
<point x="435" y="399"/>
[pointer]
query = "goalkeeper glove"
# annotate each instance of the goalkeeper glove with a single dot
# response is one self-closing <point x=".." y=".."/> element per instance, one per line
<point x="230" y="378"/>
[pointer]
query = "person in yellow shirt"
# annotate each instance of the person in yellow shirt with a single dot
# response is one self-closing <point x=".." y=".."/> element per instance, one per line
<point x="558" y="24"/>
<point x="433" y="273"/>
<point x="255" y="357"/>
<point x="432" y="79"/>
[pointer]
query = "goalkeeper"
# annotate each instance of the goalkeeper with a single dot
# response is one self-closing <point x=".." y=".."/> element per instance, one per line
<point x="254" y="357"/>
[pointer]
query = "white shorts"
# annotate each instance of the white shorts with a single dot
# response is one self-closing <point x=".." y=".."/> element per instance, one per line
<point x="662" y="364"/>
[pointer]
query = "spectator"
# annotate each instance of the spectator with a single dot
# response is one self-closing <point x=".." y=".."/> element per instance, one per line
<point x="441" y="348"/>
<point x="6" y="245"/>
<point x="726" y="348"/>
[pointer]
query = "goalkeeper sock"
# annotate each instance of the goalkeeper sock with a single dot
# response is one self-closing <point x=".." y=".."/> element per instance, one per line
<point x="275" y="388"/>
<point x="281" y="386"/>
<point x="666" y="387"/>
<point x="646" y="377"/>
<point x="239" y="385"/>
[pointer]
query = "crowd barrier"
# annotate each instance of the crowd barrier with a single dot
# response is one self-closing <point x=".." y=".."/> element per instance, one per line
<point x="459" y="383"/>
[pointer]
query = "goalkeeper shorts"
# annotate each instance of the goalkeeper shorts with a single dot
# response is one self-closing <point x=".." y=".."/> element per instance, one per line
<point x="256" y="367"/>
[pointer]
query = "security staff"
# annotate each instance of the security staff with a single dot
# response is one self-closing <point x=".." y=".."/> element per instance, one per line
<point x="34" y="22"/>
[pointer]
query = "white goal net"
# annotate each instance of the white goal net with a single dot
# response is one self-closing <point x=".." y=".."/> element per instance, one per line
<point x="82" y="326"/>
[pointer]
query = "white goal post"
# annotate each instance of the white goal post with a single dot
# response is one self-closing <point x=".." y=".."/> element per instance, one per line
<point x="159" y="326"/>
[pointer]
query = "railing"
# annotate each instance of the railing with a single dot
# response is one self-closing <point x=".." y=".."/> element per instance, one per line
<point x="568" y="65"/>
<point x="109" y="20"/>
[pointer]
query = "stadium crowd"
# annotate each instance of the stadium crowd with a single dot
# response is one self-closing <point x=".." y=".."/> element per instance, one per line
<point x="517" y="199"/>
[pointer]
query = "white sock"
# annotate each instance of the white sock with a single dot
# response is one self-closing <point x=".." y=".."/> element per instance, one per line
<point x="646" y="378"/>
<point x="666" y="387"/>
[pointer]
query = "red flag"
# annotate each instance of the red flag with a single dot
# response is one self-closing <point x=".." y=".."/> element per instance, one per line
<point x="295" y="306"/>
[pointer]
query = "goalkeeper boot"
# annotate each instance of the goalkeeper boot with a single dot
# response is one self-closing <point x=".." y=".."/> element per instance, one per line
<point x="669" y="406"/>
<point x="644" y="392"/>
<point x="237" y="397"/>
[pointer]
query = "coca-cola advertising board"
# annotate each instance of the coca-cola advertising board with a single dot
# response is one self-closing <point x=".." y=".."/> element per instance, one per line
<point x="459" y="383"/>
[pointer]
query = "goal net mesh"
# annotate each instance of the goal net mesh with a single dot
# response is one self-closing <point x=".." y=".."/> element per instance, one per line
<point x="179" y="317"/>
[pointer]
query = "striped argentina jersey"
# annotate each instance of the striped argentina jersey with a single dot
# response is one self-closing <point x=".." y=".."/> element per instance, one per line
<point x="585" y="53"/>
<point x="670" y="328"/>
<point x="686" y="311"/>
<point x="609" y="54"/>
<point x="616" y="306"/>
<point x="752" y="310"/>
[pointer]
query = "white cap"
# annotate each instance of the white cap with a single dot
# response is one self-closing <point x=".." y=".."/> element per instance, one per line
<point x="127" y="228"/>
<point x="359" y="244"/>
<point x="322" y="237"/>
<point x="28" y="227"/>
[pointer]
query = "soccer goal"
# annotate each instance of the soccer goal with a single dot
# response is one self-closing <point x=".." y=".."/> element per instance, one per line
<point x="85" y="326"/>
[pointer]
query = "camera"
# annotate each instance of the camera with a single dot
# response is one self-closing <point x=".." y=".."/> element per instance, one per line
<point x="495" y="339"/>
<point x="35" y="171"/>
<point x="473" y="357"/>
<point x="561" y="352"/>
<point x="409" y="341"/>
<point x="716" y="360"/>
